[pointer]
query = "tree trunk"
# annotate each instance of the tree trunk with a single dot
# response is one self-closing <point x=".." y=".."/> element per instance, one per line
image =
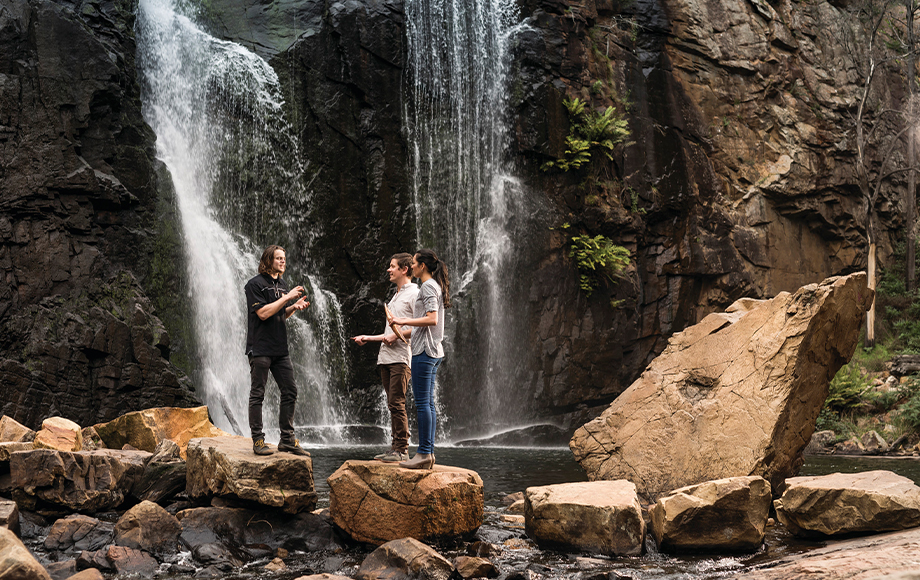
<point x="870" y="316"/>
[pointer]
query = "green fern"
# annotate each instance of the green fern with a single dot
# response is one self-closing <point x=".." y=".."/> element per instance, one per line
<point x="589" y="130"/>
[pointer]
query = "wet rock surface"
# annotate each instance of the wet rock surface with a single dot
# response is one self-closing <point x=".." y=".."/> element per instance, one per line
<point x="872" y="501"/>
<point x="16" y="562"/>
<point x="600" y="517"/>
<point x="735" y="395"/>
<point x="404" y="558"/>
<point x="717" y="516"/>
<point x="376" y="502"/>
<point x="227" y="467"/>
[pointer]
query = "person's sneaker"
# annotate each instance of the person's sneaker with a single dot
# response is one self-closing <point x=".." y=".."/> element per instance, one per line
<point x="294" y="448"/>
<point x="393" y="456"/>
<point x="260" y="448"/>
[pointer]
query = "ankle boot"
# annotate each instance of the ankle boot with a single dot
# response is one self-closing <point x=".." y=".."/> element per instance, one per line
<point x="420" y="461"/>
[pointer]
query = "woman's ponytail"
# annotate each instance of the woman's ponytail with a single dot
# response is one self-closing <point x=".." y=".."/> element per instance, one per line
<point x="438" y="270"/>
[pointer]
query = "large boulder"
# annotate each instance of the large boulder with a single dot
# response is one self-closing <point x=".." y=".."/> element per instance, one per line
<point x="722" y="515"/>
<point x="150" y="528"/>
<point x="226" y="466"/>
<point x="16" y="562"/>
<point x="406" y="558"/>
<point x="600" y="516"/>
<point x="60" y="434"/>
<point x="80" y="481"/>
<point x="148" y="428"/>
<point x="376" y="502"/>
<point x="846" y="503"/>
<point x="12" y="430"/>
<point x="6" y="449"/>
<point x="737" y="394"/>
<point x="165" y="474"/>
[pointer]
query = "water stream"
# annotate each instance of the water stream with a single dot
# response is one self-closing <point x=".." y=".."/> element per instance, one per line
<point x="216" y="109"/>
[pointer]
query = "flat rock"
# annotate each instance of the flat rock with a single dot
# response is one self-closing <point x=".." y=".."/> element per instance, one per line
<point x="148" y="428"/>
<point x="148" y="527"/>
<point x="16" y="562"/>
<point x="80" y="481"/>
<point x="890" y="556"/>
<point x="9" y="515"/>
<point x="59" y="434"/>
<point x="406" y="558"/>
<point x="740" y="392"/>
<point x="599" y="516"/>
<point x="79" y="532"/>
<point x="722" y="515"/>
<point x="845" y="503"/>
<point x="376" y="502"/>
<point x="226" y="466"/>
<point x="12" y="431"/>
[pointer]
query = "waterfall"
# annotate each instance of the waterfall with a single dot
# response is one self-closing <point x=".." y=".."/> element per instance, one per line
<point x="470" y="207"/>
<point x="216" y="109"/>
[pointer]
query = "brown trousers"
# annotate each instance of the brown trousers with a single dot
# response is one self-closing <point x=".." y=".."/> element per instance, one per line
<point x="395" y="378"/>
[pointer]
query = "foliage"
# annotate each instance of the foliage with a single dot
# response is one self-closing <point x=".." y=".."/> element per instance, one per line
<point x="589" y="131"/>
<point x="899" y="309"/>
<point x="846" y="389"/>
<point x="597" y="258"/>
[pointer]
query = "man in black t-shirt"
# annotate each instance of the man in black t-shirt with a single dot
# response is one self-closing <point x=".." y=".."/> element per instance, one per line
<point x="270" y="304"/>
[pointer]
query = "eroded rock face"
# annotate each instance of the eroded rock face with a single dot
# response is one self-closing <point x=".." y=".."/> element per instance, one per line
<point x="80" y="481"/>
<point x="16" y="562"/>
<point x="405" y="558"/>
<point x="9" y="515"/>
<point x="226" y="466"/>
<point x="721" y="515"/>
<point x="842" y="503"/>
<point x="601" y="517"/>
<point x="735" y="395"/>
<point x="79" y="532"/>
<point x="375" y="502"/>
<point x="146" y="429"/>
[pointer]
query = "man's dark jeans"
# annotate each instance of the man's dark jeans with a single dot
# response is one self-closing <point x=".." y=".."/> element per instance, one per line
<point x="283" y="371"/>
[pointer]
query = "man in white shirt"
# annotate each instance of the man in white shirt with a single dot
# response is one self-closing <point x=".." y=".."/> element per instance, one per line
<point x="395" y="357"/>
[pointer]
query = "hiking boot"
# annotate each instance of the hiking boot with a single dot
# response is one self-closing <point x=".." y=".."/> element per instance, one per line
<point x="294" y="448"/>
<point x="260" y="448"/>
<point x="393" y="456"/>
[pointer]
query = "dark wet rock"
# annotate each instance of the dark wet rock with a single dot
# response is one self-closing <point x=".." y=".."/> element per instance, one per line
<point x="150" y="528"/>
<point x="162" y="480"/>
<point x="79" y="532"/>
<point x="79" y="481"/>
<point x="62" y="570"/>
<point x="131" y="561"/>
<point x="820" y="442"/>
<point x="16" y="562"/>
<point x="482" y="549"/>
<point x="242" y="535"/>
<point x="95" y="559"/>
<point x="9" y="515"/>
<point x="227" y="467"/>
<point x="32" y="525"/>
<point x="406" y="558"/>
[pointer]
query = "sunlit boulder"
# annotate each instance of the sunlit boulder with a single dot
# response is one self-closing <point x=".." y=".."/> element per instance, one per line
<point x="12" y="430"/>
<point x="227" y="467"/>
<point x="721" y="515"/>
<point x="846" y="503"/>
<point x="377" y="502"/>
<point x="736" y="394"/>
<point x="602" y="517"/>
<point x="146" y="429"/>
<point x="60" y="434"/>
<point x="150" y="528"/>
<point x="16" y="562"/>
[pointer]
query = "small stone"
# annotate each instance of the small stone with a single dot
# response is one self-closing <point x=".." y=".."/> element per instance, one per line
<point x="473" y="567"/>
<point x="281" y="553"/>
<point x="513" y="519"/>
<point x="276" y="565"/>
<point x="511" y="498"/>
<point x="517" y="507"/>
<point x="518" y="544"/>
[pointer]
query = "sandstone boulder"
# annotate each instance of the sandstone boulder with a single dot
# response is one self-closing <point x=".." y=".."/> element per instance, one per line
<point x="722" y="515"/>
<point x="80" y="481"/>
<point x="7" y="448"/>
<point x="88" y="574"/>
<point x="845" y="503"/>
<point x="376" y="502"/>
<point x="131" y="561"/>
<point x="165" y="474"/>
<point x="79" y="532"/>
<point x="599" y="516"/>
<point x="406" y="558"/>
<point x="737" y="394"/>
<point x="60" y="434"/>
<point x="226" y="466"/>
<point x="16" y="562"/>
<point x="148" y="527"/>
<point x="146" y="429"/>
<point x="474" y="567"/>
<point x="12" y="431"/>
<point x="873" y="443"/>
<point x="9" y="515"/>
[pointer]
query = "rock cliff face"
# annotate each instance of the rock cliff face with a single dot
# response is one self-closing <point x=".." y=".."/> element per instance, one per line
<point x="84" y="229"/>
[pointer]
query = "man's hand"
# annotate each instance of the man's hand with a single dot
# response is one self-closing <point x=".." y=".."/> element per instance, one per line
<point x="301" y="304"/>
<point x="360" y="340"/>
<point x="390" y="339"/>
<point x="294" y="293"/>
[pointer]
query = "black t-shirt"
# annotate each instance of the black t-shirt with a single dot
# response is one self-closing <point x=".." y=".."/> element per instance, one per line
<point x="265" y="337"/>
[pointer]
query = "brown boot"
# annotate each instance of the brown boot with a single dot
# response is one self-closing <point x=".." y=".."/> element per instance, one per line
<point x="420" y="461"/>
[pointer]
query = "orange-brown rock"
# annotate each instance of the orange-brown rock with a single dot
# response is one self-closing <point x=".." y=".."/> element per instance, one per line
<point x="12" y="430"/>
<point x="376" y="502"/>
<point x="735" y="395"/>
<point x="60" y="434"/>
<point x="405" y="558"/>
<point x="16" y="562"/>
<point x="146" y="429"/>
<point x="150" y="528"/>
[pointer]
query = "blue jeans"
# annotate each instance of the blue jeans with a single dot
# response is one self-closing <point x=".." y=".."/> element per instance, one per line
<point x="424" y="370"/>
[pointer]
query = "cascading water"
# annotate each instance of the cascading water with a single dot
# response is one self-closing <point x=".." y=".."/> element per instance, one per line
<point x="217" y="111"/>
<point x="470" y="207"/>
